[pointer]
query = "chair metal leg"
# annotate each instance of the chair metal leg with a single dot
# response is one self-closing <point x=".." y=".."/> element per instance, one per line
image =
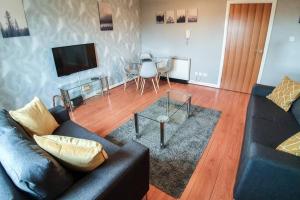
<point x="158" y="78"/>
<point x="154" y="85"/>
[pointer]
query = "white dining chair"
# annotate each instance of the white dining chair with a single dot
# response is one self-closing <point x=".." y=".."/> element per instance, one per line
<point x="164" y="67"/>
<point x="146" y="57"/>
<point x="148" y="71"/>
<point x="131" y="71"/>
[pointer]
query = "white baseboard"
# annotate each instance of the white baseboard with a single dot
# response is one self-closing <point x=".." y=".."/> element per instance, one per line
<point x="203" y="84"/>
<point x="190" y="81"/>
<point x="118" y="84"/>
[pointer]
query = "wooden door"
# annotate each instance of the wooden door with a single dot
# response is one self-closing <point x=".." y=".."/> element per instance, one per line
<point x="245" y="43"/>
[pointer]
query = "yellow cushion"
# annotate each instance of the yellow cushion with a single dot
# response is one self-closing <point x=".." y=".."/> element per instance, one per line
<point x="291" y="145"/>
<point x="75" y="153"/>
<point x="35" y="118"/>
<point x="285" y="93"/>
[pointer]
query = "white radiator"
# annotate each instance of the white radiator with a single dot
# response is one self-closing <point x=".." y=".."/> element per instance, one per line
<point x="181" y="68"/>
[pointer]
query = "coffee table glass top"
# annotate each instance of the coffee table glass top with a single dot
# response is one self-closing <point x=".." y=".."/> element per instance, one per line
<point x="174" y="101"/>
<point x="170" y="103"/>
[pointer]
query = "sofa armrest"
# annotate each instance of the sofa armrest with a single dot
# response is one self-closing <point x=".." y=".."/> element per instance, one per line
<point x="60" y="114"/>
<point x="262" y="90"/>
<point x="268" y="174"/>
<point x="125" y="175"/>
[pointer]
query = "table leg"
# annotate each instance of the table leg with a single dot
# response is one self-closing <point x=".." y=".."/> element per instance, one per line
<point x="189" y="106"/>
<point x="107" y="85"/>
<point x="67" y="100"/>
<point x="168" y="103"/>
<point x="102" y="88"/>
<point x="136" y="124"/>
<point x="162" y="135"/>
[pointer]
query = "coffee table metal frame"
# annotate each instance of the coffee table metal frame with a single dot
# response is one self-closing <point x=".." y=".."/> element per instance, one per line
<point x="186" y="101"/>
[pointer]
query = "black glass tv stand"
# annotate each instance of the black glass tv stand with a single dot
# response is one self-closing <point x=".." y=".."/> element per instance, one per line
<point x="83" y="89"/>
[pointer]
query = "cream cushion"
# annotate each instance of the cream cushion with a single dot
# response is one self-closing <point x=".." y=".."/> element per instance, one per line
<point x="291" y="145"/>
<point x="35" y="118"/>
<point x="77" y="154"/>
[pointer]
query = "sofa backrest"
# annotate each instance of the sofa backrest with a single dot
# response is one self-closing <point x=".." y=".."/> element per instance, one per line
<point x="296" y="110"/>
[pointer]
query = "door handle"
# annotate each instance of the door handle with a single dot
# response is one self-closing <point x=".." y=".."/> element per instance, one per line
<point x="260" y="51"/>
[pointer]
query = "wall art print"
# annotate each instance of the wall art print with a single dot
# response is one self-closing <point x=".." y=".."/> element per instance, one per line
<point x="106" y="18"/>
<point x="13" y="22"/>
<point x="160" y="17"/>
<point x="170" y="17"/>
<point x="180" y="16"/>
<point x="193" y="15"/>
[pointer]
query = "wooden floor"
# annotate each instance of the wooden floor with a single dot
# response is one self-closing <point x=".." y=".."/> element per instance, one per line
<point x="215" y="173"/>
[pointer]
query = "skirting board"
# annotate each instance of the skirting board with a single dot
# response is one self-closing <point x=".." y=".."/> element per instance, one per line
<point x="175" y="80"/>
<point x="118" y="84"/>
<point x="105" y="89"/>
<point x="190" y="82"/>
<point x="203" y="84"/>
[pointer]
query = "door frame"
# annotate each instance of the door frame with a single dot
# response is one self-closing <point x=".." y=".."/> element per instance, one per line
<point x="263" y="61"/>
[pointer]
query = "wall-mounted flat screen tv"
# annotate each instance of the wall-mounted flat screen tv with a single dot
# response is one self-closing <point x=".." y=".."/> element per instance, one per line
<point x="72" y="59"/>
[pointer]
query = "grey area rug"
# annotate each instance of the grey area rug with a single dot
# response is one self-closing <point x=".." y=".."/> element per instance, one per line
<point x="186" y="139"/>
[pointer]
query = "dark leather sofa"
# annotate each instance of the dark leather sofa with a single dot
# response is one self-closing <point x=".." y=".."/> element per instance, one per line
<point x="265" y="173"/>
<point x="125" y="175"/>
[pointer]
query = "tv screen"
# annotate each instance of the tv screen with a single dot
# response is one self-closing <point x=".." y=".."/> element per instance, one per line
<point x="71" y="59"/>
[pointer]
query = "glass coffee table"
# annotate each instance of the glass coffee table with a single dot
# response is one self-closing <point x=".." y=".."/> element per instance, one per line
<point x="169" y="104"/>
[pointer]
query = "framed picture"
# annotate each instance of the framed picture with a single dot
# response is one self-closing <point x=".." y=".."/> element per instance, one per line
<point x="170" y="17"/>
<point x="180" y="16"/>
<point x="192" y="15"/>
<point x="160" y="17"/>
<point x="13" y="22"/>
<point x="105" y="13"/>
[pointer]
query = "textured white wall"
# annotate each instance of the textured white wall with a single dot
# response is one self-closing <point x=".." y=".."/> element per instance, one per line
<point x="26" y="63"/>
<point x="283" y="57"/>
<point x="205" y="46"/>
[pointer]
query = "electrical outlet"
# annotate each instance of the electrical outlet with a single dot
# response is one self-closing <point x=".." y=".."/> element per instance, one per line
<point x="196" y="75"/>
<point x="292" y="38"/>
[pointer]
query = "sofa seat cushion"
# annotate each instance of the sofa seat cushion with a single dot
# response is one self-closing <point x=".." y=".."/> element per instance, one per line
<point x="125" y="175"/>
<point x="268" y="124"/>
<point x="71" y="129"/>
<point x="30" y="168"/>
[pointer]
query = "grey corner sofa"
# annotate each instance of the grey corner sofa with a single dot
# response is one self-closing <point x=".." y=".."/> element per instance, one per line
<point x="264" y="172"/>
<point x="125" y="175"/>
